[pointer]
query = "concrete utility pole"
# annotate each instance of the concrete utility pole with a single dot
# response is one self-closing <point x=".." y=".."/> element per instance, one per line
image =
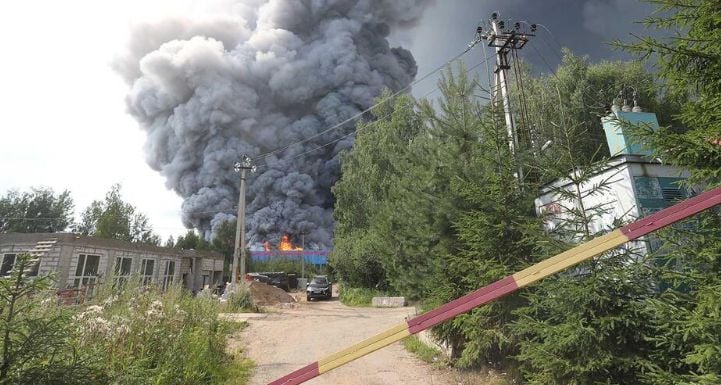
<point x="239" y="253"/>
<point x="504" y="42"/>
<point x="302" y="255"/>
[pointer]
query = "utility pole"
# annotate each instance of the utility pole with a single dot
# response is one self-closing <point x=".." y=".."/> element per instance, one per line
<point x="302" y="255"/>
<point x="505" y="41"/>
<point x="239" y="253"/>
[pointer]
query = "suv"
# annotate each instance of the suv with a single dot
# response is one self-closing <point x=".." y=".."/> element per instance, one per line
<point x="255" y="277"/>
<point x="278" y="279"/>
<point x="319" y="287"/>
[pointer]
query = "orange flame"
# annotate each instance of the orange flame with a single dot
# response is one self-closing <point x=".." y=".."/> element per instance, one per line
<point x="285" y="244"/>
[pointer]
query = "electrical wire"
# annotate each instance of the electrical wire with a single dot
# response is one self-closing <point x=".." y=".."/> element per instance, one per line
<point x="231" y="211"/>
<point x="356" y="116"/>
<point x="585" y="92"/>
<point x="359" y="129"/>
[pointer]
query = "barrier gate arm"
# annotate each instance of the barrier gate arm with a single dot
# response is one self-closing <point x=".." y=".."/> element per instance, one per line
<point x="507" y="285"/>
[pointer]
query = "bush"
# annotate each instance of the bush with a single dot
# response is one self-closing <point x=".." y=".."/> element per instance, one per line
<point x="144" y="336"/>
<point x="240" y="301"/>
<point x="424" y="352"/>
<point x="37" y="338"/>
<point x="358" y="296"/>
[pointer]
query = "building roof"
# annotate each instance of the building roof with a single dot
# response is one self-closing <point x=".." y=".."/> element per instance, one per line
<point x="84" y="240"/>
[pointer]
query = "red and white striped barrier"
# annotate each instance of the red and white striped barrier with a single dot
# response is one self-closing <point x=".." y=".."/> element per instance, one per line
<point x="507" y="285"/>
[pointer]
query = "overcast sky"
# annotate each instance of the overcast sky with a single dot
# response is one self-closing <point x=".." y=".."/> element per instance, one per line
<point x="62" y="113"/>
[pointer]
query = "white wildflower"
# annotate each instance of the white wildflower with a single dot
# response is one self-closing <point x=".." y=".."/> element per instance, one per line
<point x="122" y="330"/>
<point x="157" y="305"/>
<point x="109" y="302"/>
<point x="155" y="310"/>
<point x="94" y="309"/>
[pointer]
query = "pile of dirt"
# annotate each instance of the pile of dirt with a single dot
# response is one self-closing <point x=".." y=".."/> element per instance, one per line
<point x="263" y="294"/>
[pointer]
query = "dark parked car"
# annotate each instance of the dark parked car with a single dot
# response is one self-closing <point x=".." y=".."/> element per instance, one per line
<point x="250" y="277"/>
<point x="319" y="287"/>
<point x="278" y="279"/>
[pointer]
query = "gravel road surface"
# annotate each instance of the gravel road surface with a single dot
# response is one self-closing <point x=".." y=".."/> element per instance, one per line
<point x="292" y="338"/>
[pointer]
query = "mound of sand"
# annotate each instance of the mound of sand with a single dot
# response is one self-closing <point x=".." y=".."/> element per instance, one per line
<point x="263" y="294"/>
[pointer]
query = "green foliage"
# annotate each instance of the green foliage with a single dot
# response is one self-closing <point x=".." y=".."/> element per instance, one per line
<point x="359" y="296"/>
<point x="239" y="301"/>
<point x="115" y="219"/>
<point x="36" y="337"/>
<point x="422" y="351"/>
<point x="492" y="245"/>
<point x="378" y="157"/>
<point x="40" y="210"/>
<point x="191" y="241"/>
<point x="428" y="206"/>
<point x="576" y="95"/>
<point x="137" y="336"/>
<point x="415" y="220"/>
<point x="224" y="238"/>
<point x="588" y="326"/>
<point x="143" y="336"/>
<point x="690" y="66"/>
<point x="685" y="318"/>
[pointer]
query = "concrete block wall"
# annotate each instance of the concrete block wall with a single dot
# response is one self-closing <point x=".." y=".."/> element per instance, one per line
<point x="50" y="261"/>
<point x="61" y="260"/>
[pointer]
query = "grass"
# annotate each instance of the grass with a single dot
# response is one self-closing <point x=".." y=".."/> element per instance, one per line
<point x="358" y="296"/>
<point x="423" y="351"/>
<point x="435" y="357"/>
<point x="240" y="371"/>
<point x="239" y="302"/>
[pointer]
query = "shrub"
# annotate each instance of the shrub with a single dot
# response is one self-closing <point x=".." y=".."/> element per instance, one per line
<point x="37" y="345"/>
<point x="239" y="301"/>
<point x="424" y="352"/>
<point x="144" y="336"/>
<point x="358" y="296"/>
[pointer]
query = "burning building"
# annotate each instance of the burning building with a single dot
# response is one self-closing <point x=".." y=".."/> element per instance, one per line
<point x="287" y="250"/>
<point x="252" y="76"/>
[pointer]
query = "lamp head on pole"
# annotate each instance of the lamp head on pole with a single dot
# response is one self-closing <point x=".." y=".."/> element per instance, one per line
<point x="245" y="163"/>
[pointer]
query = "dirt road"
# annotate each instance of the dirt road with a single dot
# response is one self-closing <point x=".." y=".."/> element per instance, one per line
<point x="282" y="342"/>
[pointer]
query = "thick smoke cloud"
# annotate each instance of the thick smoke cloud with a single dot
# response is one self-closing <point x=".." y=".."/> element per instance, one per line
<point x="264" y="74"/>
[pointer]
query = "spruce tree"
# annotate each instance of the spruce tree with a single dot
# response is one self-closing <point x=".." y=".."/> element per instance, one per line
<point x="586" y="325"/>
<point x="378" y="159"/>
<point x="418" y="215"/>
<point x="687" y="317"/>
<point x="491" y="245"/>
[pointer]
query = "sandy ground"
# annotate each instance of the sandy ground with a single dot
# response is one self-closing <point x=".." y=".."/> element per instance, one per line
<point x="288" y="339"/>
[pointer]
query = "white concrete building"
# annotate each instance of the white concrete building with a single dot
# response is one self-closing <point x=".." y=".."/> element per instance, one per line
<point x="636" y="185"/>
<point x="79" y="261"/>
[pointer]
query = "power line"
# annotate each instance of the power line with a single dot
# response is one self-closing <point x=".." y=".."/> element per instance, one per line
<point x="356" y="116"/>
<point x="584" y="91"/>
<point x="359" y="129"/>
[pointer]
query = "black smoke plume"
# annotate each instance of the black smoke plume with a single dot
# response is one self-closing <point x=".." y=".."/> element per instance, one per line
<point x="264" y="74"/>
